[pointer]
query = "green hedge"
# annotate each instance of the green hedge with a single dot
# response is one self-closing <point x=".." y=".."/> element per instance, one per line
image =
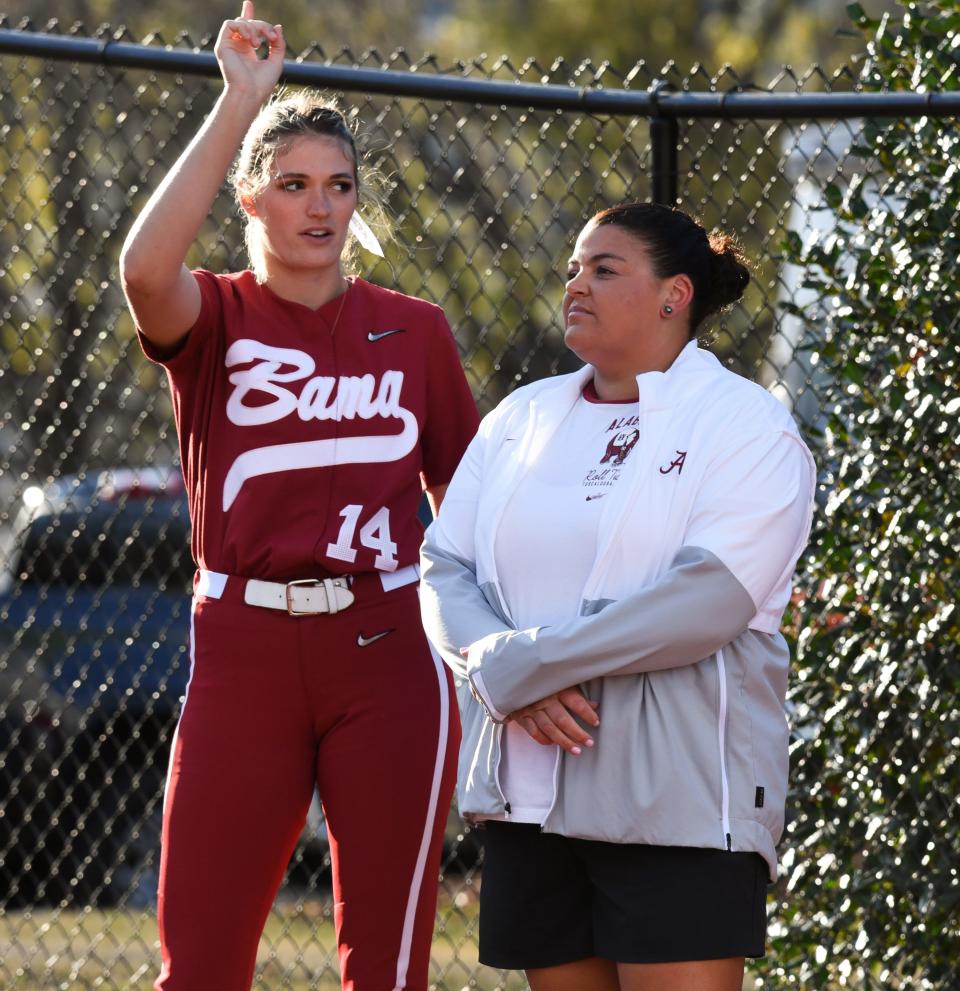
<point x="871" y="897"/>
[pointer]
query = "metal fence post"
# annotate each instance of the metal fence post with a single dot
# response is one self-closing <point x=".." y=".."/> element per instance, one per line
<point x="664" y="137"/>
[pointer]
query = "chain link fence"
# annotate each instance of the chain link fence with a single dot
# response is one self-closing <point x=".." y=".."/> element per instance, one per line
<point x="95" y="551"/>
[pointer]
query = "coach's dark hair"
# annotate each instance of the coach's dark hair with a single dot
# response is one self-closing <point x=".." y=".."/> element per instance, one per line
<point x="287" y="116"/>
<point x="677" y="244"/>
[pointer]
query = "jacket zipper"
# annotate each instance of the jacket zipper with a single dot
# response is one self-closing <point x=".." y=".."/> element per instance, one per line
<point x="496" y="771"/>
<point x="556" y="789"/>
<point x="722" y="735"/>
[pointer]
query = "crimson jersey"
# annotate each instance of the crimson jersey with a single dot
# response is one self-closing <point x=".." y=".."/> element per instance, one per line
<point x="303" y="432"/>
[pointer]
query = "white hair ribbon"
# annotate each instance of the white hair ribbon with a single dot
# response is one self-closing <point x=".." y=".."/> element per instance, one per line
<point x="360" y="229"/>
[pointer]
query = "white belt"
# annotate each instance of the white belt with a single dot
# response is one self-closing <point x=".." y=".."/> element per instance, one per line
<point x="306" y="597"/>
<point x="301" y="598"/>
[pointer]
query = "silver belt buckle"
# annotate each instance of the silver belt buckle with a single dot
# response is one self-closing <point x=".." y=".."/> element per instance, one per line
<point x="303" y="582"/>
<point x="327" y="584"/>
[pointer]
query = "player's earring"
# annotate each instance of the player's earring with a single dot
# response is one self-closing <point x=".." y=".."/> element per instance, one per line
<point x="667" y="309"/>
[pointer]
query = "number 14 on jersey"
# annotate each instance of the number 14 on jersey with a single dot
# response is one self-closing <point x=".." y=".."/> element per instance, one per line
<point x="374" y="534"/>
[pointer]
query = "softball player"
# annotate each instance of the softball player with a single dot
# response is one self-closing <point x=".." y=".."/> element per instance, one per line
<point x="312" y="411"/>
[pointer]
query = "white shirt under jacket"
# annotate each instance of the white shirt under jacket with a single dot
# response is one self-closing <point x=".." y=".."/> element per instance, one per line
<point x="677" y="629"/>
<point x="561" y="494"/>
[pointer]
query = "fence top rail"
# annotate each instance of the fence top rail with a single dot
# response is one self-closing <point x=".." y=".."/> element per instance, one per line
<point x="657" y="101"/>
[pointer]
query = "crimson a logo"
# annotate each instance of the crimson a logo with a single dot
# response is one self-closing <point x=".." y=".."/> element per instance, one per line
<point x="676" y="463"/>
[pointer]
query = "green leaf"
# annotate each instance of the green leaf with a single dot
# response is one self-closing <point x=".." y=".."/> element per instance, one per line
<point x="856" y="12"/>
<point x="833" y="195"/>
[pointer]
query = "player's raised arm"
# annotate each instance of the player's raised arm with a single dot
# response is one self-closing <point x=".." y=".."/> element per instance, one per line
<point x="161" y="291"/>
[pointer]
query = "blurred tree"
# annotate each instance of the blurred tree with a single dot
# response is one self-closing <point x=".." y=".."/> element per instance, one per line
<point x="358" y="25"/>
<point x="756" y="36"/>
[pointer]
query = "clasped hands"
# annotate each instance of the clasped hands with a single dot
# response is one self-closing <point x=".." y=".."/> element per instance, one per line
<point x="551" y="720"/>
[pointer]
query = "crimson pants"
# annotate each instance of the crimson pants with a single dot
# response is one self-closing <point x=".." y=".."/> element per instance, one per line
<point x="277" y="704"/>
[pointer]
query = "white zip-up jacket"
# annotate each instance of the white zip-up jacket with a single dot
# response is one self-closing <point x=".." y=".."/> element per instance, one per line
<point x="677" y="636"/>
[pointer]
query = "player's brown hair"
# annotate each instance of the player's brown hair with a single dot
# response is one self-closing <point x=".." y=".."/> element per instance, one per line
<point x="287" y="116"/>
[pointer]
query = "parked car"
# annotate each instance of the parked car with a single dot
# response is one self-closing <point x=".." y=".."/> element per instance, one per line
<point x="94" y="633"/>
<point x="94" y="663"/>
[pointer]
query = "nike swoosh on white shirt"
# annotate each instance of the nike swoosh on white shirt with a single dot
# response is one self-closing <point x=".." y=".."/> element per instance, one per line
<point x="363" y="641"/>
<point x="600" y="496"/>
<point x="379" y="335"/>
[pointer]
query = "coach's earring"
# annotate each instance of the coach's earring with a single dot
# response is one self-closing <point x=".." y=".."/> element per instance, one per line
<point x="667" y="309"/>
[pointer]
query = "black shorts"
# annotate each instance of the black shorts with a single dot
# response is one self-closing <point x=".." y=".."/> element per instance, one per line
<point x="547" y="900"/>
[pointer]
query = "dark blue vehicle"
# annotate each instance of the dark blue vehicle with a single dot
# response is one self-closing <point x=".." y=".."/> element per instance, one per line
<point x="94" y="640"/>
<point x="94" y="663"/>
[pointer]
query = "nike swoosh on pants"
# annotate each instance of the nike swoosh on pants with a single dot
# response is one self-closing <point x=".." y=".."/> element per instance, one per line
<point x="363" y="641"/>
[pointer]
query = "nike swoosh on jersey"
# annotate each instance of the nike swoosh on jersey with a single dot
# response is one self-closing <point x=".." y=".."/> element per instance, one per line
<point x="379" y="335"/>
<point x="363" y="641"/>
<point x="600" y="496"/>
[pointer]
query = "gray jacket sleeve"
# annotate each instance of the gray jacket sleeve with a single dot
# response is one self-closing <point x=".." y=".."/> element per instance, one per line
<point x="689" y="613"/>
<point x="455" y="611"/>
<point x="453" y="607"/>
<point x="741" y="543"/>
